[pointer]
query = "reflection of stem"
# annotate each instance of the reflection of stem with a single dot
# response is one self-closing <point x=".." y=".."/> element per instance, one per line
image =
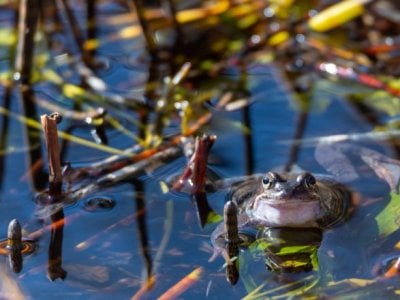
<point x="203" y="209"/>
<point x="140" y="11"/>
<point x="88" y="54"/>
<point x="294" y="150"/>
<point x="173" y="11"/>
<point x="249" y="151"/>
<point x="169" y="220"/>
<point x="4" y="132"/>
<point x="142" y="227"/>
<point x="28" y="17"/>
<point x="63" y="7"/>
<point x="248" y="137"/>
<point x="55" y="269"/>
<point x="33" y="141"/>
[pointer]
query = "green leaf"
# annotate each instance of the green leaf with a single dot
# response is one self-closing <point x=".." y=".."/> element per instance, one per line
<point x="388" y="219"/>
<point x="297" y="249"/>
<point x="213" y="217"/>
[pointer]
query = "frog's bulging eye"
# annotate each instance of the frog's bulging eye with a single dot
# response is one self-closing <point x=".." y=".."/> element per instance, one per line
<point x="266" y="181"/>
<point x="310" y="180"/>
<point x="307" y="179"/>
<point x="269" y="179"/>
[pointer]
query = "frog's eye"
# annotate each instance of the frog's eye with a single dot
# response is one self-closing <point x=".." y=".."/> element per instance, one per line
<point x="308" y="179"/>
<point x="266" y="181"/>
<point x="269" y="179"/>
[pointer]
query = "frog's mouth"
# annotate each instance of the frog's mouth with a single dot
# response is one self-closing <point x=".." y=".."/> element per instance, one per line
<point x="293" y="201"/>
<point x="290" y="196"/>
<point x="283" y="202"/>
<point x="291" y="213"/>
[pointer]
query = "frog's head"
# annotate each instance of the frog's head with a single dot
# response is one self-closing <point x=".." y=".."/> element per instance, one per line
<point x="287" y="200"/>
<point x="283" y="188"/>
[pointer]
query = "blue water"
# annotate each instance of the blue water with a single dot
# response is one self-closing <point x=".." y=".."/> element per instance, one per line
<point x="101" y="250"/>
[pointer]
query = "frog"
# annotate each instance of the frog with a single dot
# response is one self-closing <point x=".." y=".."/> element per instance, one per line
<point x="292" y="200"/>
<point x="276" y="204"/>
<point x="287" y="200"/>
<point x="305" y="200"/>
<point x="286" y="215"/>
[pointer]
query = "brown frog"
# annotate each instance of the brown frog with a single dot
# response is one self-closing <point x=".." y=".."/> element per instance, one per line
<point x="282" y="210"/>
<point x="287" y="200"/>
<point x="292" y="200"/>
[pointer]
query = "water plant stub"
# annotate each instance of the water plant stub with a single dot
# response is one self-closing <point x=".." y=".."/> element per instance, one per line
<point x="15" y="246"/>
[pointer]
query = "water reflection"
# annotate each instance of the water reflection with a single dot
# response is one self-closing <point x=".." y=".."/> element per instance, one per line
<point x="141" y="225"/>
<point x="290" y="249"/>
<point x="284" y="250"/>
<point x="55" y="269"/>
<point x="274" y="243"/>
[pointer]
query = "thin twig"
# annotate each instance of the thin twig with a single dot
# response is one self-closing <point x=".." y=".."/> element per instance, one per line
<point x="126" y="172"/>
<point x="49" y="125"/>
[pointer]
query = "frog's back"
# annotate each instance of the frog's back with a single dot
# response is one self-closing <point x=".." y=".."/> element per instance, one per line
<point x="243" y="191"/>
<point x="338" y="202"/>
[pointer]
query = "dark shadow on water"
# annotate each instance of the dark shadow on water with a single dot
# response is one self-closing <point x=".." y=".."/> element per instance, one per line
<point x="202" y="207"/>
<point x="55" y="269"/>
<point x="296" y="144"/>
<point x="4" y="132"/>
<point x="141" y="214"/>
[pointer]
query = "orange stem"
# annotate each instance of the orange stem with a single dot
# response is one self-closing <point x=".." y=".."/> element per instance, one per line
<point x="182" y="285"/>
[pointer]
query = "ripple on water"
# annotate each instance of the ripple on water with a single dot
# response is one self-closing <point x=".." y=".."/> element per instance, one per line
<point x="27" y="247"/>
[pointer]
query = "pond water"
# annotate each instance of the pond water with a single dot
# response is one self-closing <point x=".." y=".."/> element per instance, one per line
<point x="102" y="246"/>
